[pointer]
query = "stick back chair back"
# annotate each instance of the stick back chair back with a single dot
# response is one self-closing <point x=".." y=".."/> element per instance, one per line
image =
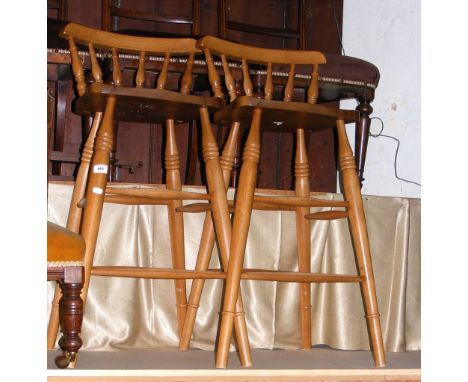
<point x="287" y="114"/>
<point x="139" y="102"/>
<point x="238" y="57"/>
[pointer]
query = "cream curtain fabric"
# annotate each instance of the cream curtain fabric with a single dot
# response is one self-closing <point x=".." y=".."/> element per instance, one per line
<point x="126" y="313"/>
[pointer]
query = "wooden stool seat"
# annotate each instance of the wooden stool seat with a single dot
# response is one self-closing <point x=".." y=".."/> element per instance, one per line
<point x="283" y="116"/>
<point x="145" y="105"/>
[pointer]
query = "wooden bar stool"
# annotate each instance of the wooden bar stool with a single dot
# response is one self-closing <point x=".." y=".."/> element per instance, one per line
<point x="65" y="254"/>
<point x="288" y="115"/>
<point x="142" y="101"/>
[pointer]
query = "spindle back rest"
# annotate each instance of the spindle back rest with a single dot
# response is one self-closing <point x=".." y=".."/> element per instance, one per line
<point x="113" y="44"/>
<point x="254" y="55"/>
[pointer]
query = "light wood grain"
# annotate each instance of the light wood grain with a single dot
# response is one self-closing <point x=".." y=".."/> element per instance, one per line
<point x="82" y="34"/>
<point x="95" y="191"/>
<point x="95" y="67"/>
<point x="260" y="55"/>
<point x="186" y="81"/>
<point x="228" y="79"/>
<point x="222" y="223"/>
<point x="286" y="116"/>
<point x="140" y="76"/>
<point x="302" y="189"/>
<point x="162" y="78"/>
<point x="176" y="222"/>
<point x="240" y="228"/>
<point x="77" y="67"/>
<point x="269" y="83"/>
<point x="357" y="223"/>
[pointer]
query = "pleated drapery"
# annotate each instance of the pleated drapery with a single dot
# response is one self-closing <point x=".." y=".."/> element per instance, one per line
<point x="124" y="313"/>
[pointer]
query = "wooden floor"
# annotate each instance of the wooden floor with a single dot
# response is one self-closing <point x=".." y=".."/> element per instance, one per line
<point x="318" y="364"/>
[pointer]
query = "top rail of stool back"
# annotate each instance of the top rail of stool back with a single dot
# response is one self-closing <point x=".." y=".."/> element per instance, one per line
<point x="119" y="43"/>
<point x="255" y="55"/>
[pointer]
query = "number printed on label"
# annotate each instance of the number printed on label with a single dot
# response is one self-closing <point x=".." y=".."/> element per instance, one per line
<point x="100" y="169"/>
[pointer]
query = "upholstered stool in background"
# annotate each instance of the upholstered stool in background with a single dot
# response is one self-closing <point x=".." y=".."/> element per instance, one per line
<point x="65" y="253"/>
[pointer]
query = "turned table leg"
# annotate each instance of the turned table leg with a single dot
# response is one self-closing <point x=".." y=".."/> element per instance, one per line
<point x="71" y="307"/>
<point x="362" y="135"/>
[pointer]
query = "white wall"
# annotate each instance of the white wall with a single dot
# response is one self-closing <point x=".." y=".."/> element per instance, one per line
<point x="388" y="33"/>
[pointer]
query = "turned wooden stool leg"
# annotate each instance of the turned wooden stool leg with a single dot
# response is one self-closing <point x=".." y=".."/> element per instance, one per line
<point x="176" y="220"/>
<point x="242" y="214"/>
<point x="207" y="242"/>
<point x="204" y="255"/>
<point x="75" y="211"/>
<point x="357" y="222"/>
<point x="95" y="190"/>
<point x="222" y="222"/>
<point x="72" y="316"/>
<point x="302" y="188"/>
<point x="74" y="220"/>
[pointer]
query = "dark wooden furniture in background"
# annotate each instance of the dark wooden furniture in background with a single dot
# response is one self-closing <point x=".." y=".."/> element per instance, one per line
<point x="292" y="24"/>
<point x="127" y="18"/>
<point x="65" y="252"/>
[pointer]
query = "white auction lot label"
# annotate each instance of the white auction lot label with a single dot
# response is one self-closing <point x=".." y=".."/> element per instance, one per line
<point x="100" y="169"/>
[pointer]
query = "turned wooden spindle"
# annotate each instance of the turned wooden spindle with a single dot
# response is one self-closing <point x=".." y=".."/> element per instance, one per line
<point x="74" y="220"/>
<point x="213" y="76"/>
<point x="269" y="83"/>
<point x="241" y="223"/>
<point x="247" y="82"/>
<point x="162" y="78"/>
<point x="289" y="89"/>
<point x="302" y="189"/>
<point x="116" y="73"/>
<point x="186" y="81"/>
<point x="140" y="76"/>
<point x="176" y="222"/>
<point x="77" y="67"/>
<point x="357" y="223"/>
<point x="228" y="80"/>
<point x="312" y="92"/>
<point x="95" y="67"/>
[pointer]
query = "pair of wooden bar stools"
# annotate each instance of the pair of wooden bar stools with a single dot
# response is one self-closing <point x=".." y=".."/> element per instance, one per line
<point x="114" y="101"/>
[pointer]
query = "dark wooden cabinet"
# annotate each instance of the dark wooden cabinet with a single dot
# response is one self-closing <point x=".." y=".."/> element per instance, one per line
<point x="138" y="151"/>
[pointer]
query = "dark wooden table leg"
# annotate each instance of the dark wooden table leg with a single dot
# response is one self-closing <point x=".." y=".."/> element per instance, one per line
<point x="362" y="135"/>
<point x="71" y="308"/>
